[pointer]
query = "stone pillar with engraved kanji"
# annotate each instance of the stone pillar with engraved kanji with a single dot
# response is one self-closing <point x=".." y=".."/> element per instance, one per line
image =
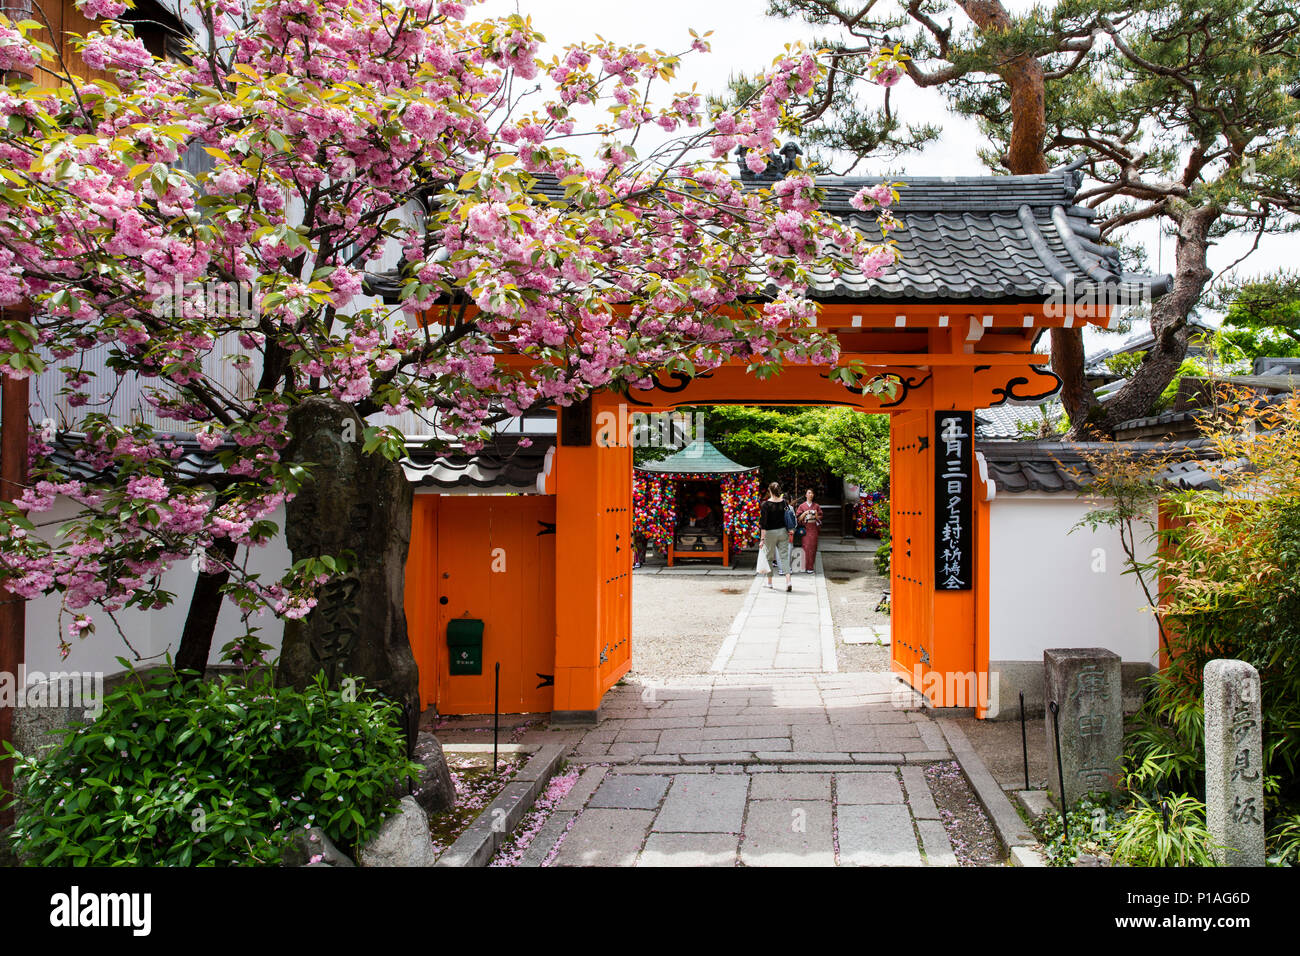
<point x="1085" y="685"/>
<point x="1234" y="763"/>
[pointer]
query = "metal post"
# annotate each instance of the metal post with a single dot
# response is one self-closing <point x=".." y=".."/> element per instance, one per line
<point x="496" y="713"/>
<point x="1060" y="771"/>
<point x="1024" y="738"/>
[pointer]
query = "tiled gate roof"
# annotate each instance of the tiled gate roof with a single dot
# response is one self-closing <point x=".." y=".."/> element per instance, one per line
<point x="965" y="238"/>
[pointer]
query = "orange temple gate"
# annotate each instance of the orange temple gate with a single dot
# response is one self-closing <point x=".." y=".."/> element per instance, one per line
<point x="1004" y="242"/>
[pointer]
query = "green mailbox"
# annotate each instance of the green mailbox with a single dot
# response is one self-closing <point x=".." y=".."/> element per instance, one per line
<point x="465" y="646"/>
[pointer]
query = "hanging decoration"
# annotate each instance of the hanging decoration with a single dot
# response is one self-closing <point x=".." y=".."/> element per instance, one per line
<point x="741" y="498"/>
<point x="654" y="515"/>
<point x="871" y="517"/>
<point x="656" y="486"/>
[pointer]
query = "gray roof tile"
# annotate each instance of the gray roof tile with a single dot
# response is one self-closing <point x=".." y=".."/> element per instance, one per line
<point x="1055" y="467"/>
<point x="963" y="237"/>
<point x="503" y="465"/>
<point x="699" y="457"/>
<point x="1009" y="420"/>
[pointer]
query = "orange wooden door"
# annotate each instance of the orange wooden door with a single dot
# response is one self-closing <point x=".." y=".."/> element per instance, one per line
<point x="493" y="559"/>
<point x="911" y="587"/>
<point x="614" y="549"/>
<point x="421" y="596"/>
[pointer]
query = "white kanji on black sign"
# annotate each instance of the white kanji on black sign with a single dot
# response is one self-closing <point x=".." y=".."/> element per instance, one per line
<point x="952" y="500"/>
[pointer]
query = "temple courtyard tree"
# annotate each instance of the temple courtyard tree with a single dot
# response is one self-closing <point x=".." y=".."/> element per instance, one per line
<point x="1268" y="306"/>
<point x="234" y="205"/>
<point x="1177" y="112"/>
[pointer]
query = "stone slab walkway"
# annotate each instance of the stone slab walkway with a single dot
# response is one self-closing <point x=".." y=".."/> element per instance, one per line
<point x="781" y="631"/>
<point x="764" y="718"/>
<point x="756" y="815"/>
<point x="770" y="759"/>
<point x="757" y="769"/>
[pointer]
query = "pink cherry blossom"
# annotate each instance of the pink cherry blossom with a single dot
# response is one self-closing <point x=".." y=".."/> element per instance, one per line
<point x="232" y="294"/>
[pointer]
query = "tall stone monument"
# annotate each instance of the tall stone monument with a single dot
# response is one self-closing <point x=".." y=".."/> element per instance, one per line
<point x="1085" y="684"/>
<point x="1234" y="762"/>
<point x="359" y="503"/>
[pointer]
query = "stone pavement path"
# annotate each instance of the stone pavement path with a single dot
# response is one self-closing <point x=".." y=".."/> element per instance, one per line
<point x="779" y="630"/>
<point x="758" y="815"/>
<point x="771" y="759"/>
<point x="759" y="770"/>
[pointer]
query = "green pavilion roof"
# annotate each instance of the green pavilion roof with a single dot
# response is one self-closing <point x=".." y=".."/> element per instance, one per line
<point x="697" y="458"/>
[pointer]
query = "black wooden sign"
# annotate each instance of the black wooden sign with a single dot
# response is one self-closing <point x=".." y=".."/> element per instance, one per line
<point x="953" y="486"/>
<point x="575" y="423"/>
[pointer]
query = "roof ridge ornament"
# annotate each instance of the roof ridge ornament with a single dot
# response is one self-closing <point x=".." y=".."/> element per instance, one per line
<point x="1073" y="173"/>
<point x="779" y="164"/>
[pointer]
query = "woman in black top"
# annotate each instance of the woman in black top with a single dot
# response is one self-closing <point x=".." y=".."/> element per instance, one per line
<point x="776" y="537"/>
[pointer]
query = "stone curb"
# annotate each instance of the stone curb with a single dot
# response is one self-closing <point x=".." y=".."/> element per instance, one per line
<point x="476" y="845"/>
<point x="825" y="622"/>
<point x="477" y="748"/>
<point x="723" y="657"/>
<point x="1026" y="856"/>
<point x="1007" y="823"/>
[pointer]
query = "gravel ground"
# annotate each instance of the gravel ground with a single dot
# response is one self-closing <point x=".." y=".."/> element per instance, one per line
<point x="680" y="620"/>
<point x="969" y="829"/>
<point x="476" y="787"/>
<point x="854" y="590"/>
<point x="999" y="746"/>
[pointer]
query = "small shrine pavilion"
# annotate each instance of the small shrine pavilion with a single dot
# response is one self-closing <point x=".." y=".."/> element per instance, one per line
<point x="697" y="503"/>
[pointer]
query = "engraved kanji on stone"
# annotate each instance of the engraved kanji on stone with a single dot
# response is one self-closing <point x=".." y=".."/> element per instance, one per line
<point x="1090" y="682"/>
<point x="1095" y="778"/>
<point x="1234" y="779"/>
<point x="1242" y="722"/>
<point x="1241" y="767"/>
<point x="1084" y="683"/>
<point x="1091" y="725"/>
<point x="1244" y="811"/>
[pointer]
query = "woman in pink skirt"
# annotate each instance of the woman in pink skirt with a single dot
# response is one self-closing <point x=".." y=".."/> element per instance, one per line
<point x="809" y="516"/>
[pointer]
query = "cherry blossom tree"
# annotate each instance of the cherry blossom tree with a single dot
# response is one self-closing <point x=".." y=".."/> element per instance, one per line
<point x="559" y="209"/>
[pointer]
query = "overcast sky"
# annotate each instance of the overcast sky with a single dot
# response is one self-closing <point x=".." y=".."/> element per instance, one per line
<point x="745" y="39"/>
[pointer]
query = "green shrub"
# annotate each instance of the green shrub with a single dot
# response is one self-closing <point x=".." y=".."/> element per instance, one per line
<point x="882" y="555"/>
<point x="1226" y="582"/>
<point x="1284" y="841"/>
<point x="1165" y="747"/>
<point x="1092" y="823"/>
<point x="211" y="773"/>
<point x="1167" y="832"/>
<point x="1161" y="832"/>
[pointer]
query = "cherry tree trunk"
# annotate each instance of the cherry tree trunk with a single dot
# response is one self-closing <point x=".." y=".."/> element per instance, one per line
<point x="359" y="503"/>
<point x="205" y="605"/>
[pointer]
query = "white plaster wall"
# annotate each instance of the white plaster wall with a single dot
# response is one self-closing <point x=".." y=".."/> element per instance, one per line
<point x="1044" y="591"/>
<point x="152" y="633"/>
